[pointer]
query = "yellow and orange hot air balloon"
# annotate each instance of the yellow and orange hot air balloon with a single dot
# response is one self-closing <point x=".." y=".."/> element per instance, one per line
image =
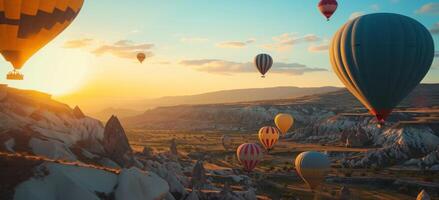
<point x="249" y="154"/>
<point x="284" y="122"/>
<point x="268" y="136"/>
<point x="28" y="25"/>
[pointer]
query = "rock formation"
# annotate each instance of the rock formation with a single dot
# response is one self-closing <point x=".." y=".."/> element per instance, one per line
<point x="116" y="143"/>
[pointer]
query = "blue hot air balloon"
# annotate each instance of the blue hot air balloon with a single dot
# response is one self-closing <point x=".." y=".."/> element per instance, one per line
<point x="381" y="58"/>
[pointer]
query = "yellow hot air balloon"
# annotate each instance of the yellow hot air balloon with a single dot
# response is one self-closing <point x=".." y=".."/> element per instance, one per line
<point x="268" y="136"/>
<point x="28" y="25"/>
<point x="312" y="167"/>
<point x="284" y="122"/>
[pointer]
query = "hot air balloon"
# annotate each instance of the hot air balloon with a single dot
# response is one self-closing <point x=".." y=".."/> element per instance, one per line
<point x="268" y="137"/>
<point x="141" y="57"/>
<point x="227" y="142"/>
<point x="381" y="58"/>
<point x="284" y="122"/>
<point x="423" y="195"/>
<point x="27" y="26"/>
<point x="328" y="7"/>
<point x="249" y="154"/>
<point x="312" y="167"/>
<point x="263" y="63"/>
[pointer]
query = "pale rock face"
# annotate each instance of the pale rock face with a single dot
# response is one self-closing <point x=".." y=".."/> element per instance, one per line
<point x="135" y="184"/>
<point x="66" y="182"/>
<point x="51" y="149"/>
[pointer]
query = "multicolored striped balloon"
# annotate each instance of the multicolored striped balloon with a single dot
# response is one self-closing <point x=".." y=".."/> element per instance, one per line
<point x="268" y="136"/>
<point x="328" y="7"/>
<point x="249" y="154"/>
<point x="263" y="63"/>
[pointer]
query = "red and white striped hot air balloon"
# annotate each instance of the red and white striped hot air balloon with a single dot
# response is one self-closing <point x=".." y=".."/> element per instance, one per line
<point x="328" y="7"/>
<point x="249" y="154"/>
<point x="268" y="136"/>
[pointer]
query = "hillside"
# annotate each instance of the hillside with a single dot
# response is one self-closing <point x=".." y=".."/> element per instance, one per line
<point x="251" y="115"/>
<point x="224" y="96"/>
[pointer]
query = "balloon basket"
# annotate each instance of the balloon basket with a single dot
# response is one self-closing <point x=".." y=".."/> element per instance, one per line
<point x="263" y="76"/>
<point x="14" y="75"/>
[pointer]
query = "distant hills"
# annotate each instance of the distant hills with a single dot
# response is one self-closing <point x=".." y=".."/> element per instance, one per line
<point x="224" y="96"/>
<point x="252" y="114"/>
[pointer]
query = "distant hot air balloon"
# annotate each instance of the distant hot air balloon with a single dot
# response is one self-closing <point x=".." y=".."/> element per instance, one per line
<point x="263" y="63"/>
<point x="312" y="167"/>
<point x="284" y="122"/>
<point x="29" y="25"/>
<point x="328" y="7"/>
<point x="268" y="137"/>
<point x="227" y="142"/>
<point x="381" y="58"/>
<point x="141" y="57"/>
<point x="423" y="195"/>
<point x="249" y="154"/>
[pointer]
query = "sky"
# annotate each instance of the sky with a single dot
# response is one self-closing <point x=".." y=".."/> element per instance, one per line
<point x="196" y="46"/>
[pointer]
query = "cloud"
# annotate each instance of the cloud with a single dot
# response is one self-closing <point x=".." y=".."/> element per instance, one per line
<point x="79" y="43"/>
<point x="435" y="29"/>
<point x="429" y="8"/>
<point x="318" y="48"/>
<point x="286" y="41"/>
<point x="224" y="67"/>
<point x="124" y="49"/>
<point x="235" y="44"/>
<point x="375" y="7"/>
<point x="192" y="40"/>
<point x="355" y="15"/>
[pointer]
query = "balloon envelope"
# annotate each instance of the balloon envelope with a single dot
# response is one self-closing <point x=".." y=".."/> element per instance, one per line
<point x="312" y="167"/>
<point x="284" y="122"/>
<point x="249" y="154"/>
<point x="263" y="63"/>
<point x="268" y="136"/>
<point x="328" y="7"/>
<point x="381" y="58"/>
<point x="227" y="142"/>
<point x="28" y="25"/>
<point x="141" y="57"/>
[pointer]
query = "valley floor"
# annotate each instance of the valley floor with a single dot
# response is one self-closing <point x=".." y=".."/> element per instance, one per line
<point x="275" y="177"/>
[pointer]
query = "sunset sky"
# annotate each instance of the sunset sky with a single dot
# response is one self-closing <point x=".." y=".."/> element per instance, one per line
<point x="196" y="46"/>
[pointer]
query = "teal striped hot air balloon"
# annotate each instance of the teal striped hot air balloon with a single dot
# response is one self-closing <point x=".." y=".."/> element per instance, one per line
<point x="381" y="58"/>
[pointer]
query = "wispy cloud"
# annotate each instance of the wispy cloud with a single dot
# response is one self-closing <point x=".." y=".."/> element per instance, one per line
<point x="235" y="44"/>
<point x="286" y="41"/>
<point x="224" y="67"/>
<point x="375" y="7"/>
<point x="124" y="49"/>
<point x="318" y="48"/>
<point x="78" y="43"/>
<point x="435" y="29"/>
<point x="192" y="40"/>
<point x="429" y="8"/>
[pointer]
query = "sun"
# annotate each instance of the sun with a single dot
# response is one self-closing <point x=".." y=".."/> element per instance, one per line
<point x="56" y="73"/>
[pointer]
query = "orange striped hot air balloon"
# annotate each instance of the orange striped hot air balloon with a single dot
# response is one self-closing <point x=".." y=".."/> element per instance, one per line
<point x="249" y="154"/>
<point x="268" y="136"/>
<point x="28" y="25"/>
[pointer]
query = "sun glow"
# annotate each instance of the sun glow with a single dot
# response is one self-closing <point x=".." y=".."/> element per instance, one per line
<point x="56" y="74"/>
